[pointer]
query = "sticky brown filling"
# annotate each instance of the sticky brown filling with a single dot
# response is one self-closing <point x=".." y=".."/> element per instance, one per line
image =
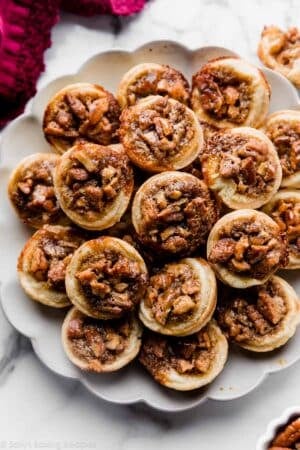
<point x="159" y="132"/>
<point x="223" y="94"/>
<point x="34" y="197"/>
<point x="111" y="282"/>
<point x="249" y="248"/>
<point x="172" y="293"/>
<point x="167" y="82"/>
<point x="177" y="215"/>
<point x="94" y="180"/>
<point x="246" y="161"/>
<point x="288" y="48"/>
<point x="191" y="355"/>
<point x="51" y="256"/>
<point x="97" y="341"/>
<point x="252" y="313"/>
<point x="92" y="115"/>
<point x="288" y="437"/>
<point x="286" y="214"/>
<point x="286" y="139"/>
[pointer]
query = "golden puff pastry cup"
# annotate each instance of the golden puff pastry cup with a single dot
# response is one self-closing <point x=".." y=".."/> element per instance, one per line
<point x="106" y="278"/>
<point x="94" y="184"/>
<point x="242" y="167"/>
<point x="31" y="191"/>
<point x="283" y="129"/>
<point x="261" y="318"/>
<point x="245" y="248"/>
<point x="160" y="133"/>
<point x="173" y="212"/>
<point x="280" y="51"/>
<point x="185" y="363"/>
<point x="147" y="79"/>
<point x="181" y="298"/>
<point x="43" y="261"/>
<point x="96" y="345"/>
<point x="81" y="111"/>
<point x="228" y="92"/>
<point x="284" y="208"/>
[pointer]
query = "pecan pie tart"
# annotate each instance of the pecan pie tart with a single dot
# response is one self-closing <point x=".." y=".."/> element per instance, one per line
<point x="43" y="262"/>
<point x="31" y="191"/>
<point x="81" y="111"/>
<point x="181" y="298"/>
<point x="160" y="133"/>
<point x="106" y="278"/>
<point x="283" y="128"/>
<point x="152" y="79"/>
<point x="98" y="345"/>
<point x="245" y="248"/>
<point x="94" y="184"/>
<point x="185" y="363"/>
<point x="242" y="166"/>
<point x="260" y="318"/>
<point x="173" y="212"/>
<point x="229" y="92"/>
<point x="288" y="436"/>
<point x="280" y="51"/>
<point x="284" y="208"/>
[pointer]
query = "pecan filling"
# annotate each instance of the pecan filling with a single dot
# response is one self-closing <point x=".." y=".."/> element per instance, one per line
<point x="191" y="355"/>
<point x="35" y="197"/>
<point x="223" y="94"/>
<point x="95" y="179"/>
<point x="50" y="259"/>
<point x="287" y="215"/>
<point x="287" y="50"/>
<point x="288" y="438"/>
<point x="172" y="293"/>
<point x="93" y="115"/>
<point x="159" y="132"/>
<point x="244" y="160"/>
<point x="249" y="249"/>
<point x="251" y="313"/>
<point x="167" y="82"/>
<point x="177" y="215"/>
<point x="97" y="341"/>
<point x="112" y="282"/>
<point x="286" y="139"/>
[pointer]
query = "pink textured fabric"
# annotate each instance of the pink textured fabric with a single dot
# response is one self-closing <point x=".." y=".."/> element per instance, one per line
<point x="25" y="32"/>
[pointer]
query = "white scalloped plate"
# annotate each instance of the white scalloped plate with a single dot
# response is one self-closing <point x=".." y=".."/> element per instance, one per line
<point x="243" y="371"/>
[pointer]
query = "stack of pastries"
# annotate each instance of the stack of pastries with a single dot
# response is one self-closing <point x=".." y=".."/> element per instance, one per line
<point x="149" y="198"/>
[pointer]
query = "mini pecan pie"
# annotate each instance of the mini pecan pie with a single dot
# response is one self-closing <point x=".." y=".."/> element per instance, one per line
<point x="106" y="278"/>
<point x="284" y="208"/>
<point x="81" y="111"/>
<point x="288" y="436"/>
<point x="242" y="166"/>
<point x="173" y="213"/>
<point x="181" y="298"/>
<point x="283" y="128"/>
<point x="185" y="363"/>
<point x="280" y="51"/>
<point x="229" y="92"/>
<point x="31" y="191"/>
<point x="94" y="184"/>
<point x="160" y="133"/>
<point x="260" y="318"/>
<point x="245" y="248"/>
<point x="100" y="345"/>
<point x="43" y="261"/>
<point x="152" y="79"/>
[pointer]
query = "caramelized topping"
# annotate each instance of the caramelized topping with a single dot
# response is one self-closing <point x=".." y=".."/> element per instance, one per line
<point x="288" y="438"/>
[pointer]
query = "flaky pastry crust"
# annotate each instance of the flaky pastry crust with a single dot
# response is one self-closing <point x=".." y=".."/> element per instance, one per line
<point x="96" y="345"/>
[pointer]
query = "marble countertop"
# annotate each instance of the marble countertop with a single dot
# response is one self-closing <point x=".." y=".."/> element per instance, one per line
<point x="39" y="410"/>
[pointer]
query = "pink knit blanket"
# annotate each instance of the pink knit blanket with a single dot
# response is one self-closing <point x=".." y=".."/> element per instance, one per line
<point x="25" y="33"/>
